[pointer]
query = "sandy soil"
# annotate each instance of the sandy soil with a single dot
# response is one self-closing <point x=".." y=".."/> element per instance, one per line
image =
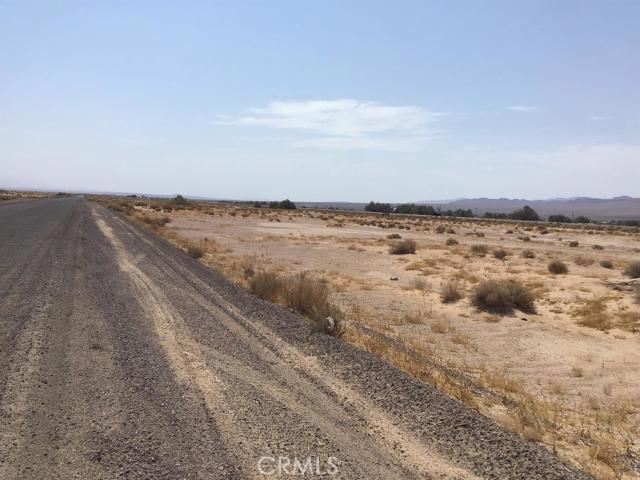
<point x="583" y="373"/>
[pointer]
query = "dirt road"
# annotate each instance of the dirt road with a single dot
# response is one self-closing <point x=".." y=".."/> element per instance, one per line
<point x="122" y="357"/>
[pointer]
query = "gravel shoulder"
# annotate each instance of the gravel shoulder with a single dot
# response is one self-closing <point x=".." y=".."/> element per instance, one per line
<point x="122" y="357"/>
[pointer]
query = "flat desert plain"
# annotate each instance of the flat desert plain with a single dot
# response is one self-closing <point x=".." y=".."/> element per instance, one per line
<point x="565" y="375"/>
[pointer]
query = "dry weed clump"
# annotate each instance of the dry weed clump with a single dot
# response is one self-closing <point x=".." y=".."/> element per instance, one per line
<point x="302" y="293"/>
<point x="577" y="372"/>
<point x="461" y="339"/>
<point x="500" y="253"/>
<point x="558" y="267"/>
<point x="440" y="326"/>
<point x="403" y="247"/>
<point x="450" y="291"/>
<point x="502" y="296"/>
<point x="420" y="284"/>
<point x="155" y="221"/>
<point x="411" y="318"/>
<point x="592" y="313"/>
<point x="606" y="264"/>
<point x="122" y="207"/>
<point x="628" y="321"/>
<point x="583" y="261"/>
<point x="266" y="285"/>
<point x="394" y="236"/>
<point x="451" y="241"/>
<point x="307" y="295"/>
<point x="633" y="270"/>
<point x="247" y="265"/>
<point x="492" y="319"/>
<point x="503" y="383"/>
<point x="479" y="250"/>
<point x="527" y="253"/>
<point x="195" y="251"/>
<point x="556" y="388"/>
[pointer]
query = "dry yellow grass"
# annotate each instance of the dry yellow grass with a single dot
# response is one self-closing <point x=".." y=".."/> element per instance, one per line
<point x="593" y="313"/>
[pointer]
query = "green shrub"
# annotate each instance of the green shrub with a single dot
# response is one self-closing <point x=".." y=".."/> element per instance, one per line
<point x="502" y="296"/>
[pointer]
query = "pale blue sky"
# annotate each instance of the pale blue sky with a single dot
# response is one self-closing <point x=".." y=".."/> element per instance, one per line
<point x="322" y="100"/>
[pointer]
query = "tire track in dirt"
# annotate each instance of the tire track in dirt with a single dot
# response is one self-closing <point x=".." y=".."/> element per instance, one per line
<point x="298" y="394"/>
<point x="182" y="351"/>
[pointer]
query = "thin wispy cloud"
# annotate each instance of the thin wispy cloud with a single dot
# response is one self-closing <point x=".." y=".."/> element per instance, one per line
<point x="598" y="118"/>
<point x="345" y="123"/>
<point x="523" y="108"/>
<point x="382" y="143"/>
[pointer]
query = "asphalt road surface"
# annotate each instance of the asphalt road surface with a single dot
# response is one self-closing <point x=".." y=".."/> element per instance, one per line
<point x="122" y="357"/>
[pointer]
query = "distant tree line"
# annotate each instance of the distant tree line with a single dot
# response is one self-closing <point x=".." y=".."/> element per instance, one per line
<point x="459" y="212"/>
<point x="529" y="214"/>
<point x="378" y="207"/>
<point x="180" y="200"/>
<point x="413" y="209"/>
<point x="565" y="219"/>
<point x="525" y="213"/>
<point x="283" y="205"/>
